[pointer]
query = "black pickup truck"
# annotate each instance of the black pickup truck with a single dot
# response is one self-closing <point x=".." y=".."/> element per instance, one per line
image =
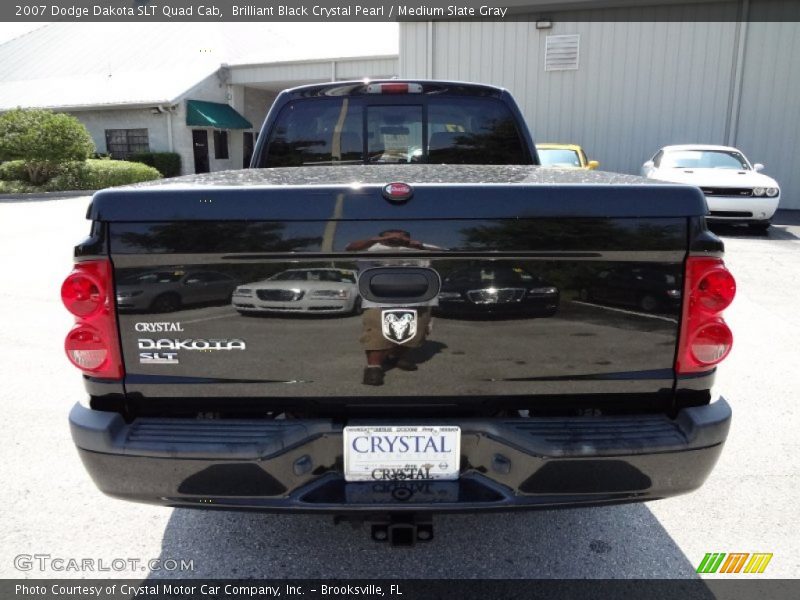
<point x="386" y="317"/>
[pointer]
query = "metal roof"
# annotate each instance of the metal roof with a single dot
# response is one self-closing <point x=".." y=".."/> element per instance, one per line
<point x="88" y="65"/>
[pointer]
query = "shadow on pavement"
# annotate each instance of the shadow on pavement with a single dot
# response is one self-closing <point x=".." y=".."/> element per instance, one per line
<point x="609" y="542"/>
<point x="785" y="226"/>
<point x="776" y="232"/>
<point x="787" y="217"/>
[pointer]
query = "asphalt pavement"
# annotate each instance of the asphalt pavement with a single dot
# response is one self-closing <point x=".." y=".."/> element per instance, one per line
<point x="51" y="507"/>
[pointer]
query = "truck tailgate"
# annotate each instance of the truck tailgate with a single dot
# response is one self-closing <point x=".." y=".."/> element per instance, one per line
<point x="245" y="288"/>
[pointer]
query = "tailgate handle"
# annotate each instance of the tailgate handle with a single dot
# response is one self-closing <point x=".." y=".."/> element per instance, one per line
<point x="399" y="285"/>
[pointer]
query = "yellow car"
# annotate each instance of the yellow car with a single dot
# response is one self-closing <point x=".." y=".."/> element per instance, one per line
<point x="570" y="156"/>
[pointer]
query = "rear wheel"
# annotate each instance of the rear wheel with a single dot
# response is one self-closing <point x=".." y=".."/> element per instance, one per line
<point x="648" y="303"/>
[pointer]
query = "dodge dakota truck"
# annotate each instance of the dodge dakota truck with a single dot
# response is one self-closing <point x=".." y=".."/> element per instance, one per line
<point x="473" y="372"/>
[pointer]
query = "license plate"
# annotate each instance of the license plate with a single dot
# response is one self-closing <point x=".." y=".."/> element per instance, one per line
<point x="401" y="453"/>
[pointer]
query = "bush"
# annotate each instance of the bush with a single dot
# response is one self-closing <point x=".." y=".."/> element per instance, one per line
<point x="95" y="174"/>
<point x="168" y="163"/>
<point x="43" y="140"/>
<point x="17" y="187"/>
<point x="13" y="170"/>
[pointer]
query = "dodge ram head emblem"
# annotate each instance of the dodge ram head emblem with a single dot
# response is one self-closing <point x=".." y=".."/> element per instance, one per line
<point x="399" y="325"/>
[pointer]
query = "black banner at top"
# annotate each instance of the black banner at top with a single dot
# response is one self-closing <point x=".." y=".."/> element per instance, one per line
<point x="395" y="10"/>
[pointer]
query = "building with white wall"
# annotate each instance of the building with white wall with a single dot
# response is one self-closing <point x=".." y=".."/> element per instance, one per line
<point x="197" y="89"/>
<point x="161" y="124"/>
<point x="625" y="81"/>
<point x="620" y="77"/>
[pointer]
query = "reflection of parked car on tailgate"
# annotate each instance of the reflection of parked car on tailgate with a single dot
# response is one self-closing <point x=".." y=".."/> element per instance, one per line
<point x="735" y="191"/>
<point x="647" y="288"/>
<point x="496" y="289"/>
<point x="301" y="290"/>
<point x="166" y="291"/>
<point x="570" y="156"/>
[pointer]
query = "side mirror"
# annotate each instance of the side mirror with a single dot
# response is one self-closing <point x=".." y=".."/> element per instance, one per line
<point x="758" y="167"/>
<point x="593" y="164"/>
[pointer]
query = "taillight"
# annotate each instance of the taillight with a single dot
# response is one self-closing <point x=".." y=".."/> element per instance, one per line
<point x="705" y="338"/>
<point x="711" y="343"/>
<point x="394" y="88"/>
<point x="715" y="288"/>
<point x="82" y="292"/>
<point x="93" y="344"/>
<point x="86" y="348"/>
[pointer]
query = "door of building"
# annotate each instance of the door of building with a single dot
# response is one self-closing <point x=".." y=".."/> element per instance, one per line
<point x="248" y="149"/>
<point x="200" y="144"/>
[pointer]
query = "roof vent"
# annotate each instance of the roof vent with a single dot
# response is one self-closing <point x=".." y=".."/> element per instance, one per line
<point x="561" y="52"/>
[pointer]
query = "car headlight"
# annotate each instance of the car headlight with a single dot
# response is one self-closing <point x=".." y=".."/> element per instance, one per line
<point x="243" y="292"/>
<point x="772" y="192"/>
<point x="674" y="293"/>
<point x="121" y="295"/>
<point x="543" y="290"/>
<point x="759" y="191"/>
<point x="449" y="296"/>
<point x="341" y="294"/>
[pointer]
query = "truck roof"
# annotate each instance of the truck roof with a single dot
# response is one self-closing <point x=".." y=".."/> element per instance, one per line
<point x="427" y="86"/>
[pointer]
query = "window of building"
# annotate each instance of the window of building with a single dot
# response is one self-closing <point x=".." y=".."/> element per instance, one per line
<point x="122" y="143"/>
<point x="220" y="144"/>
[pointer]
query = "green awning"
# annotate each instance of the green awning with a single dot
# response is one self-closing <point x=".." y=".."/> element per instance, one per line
<point x="213" y="114"/>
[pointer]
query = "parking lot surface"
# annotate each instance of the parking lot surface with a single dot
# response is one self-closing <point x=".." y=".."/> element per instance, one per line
<point x="51" y="507"/>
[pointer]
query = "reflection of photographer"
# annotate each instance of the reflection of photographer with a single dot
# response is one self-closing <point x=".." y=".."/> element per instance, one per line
<point x="391" y="239"/>
<point x="412" y="327"/>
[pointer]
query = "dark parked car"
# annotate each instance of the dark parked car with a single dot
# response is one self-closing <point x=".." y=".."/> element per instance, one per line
<point x="500" y="289"/>
<point x="648" y="288"/>
<point x="167" y="291"/>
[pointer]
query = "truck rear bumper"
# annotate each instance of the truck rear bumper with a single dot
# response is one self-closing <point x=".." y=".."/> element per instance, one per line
<point x="296" y="465"/>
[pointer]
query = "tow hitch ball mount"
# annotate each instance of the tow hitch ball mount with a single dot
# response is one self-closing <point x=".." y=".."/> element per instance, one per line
<point x="398" y="530"/>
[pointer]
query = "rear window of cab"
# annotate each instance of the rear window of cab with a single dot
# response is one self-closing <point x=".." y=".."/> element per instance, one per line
<point x="438" y="130"/>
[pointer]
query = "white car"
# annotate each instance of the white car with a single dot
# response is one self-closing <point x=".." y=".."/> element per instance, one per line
<point x="321" y="291"/>
<point x="735" y="190"/>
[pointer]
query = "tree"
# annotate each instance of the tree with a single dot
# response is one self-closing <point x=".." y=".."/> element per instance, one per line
<point x="43" y="140"/>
